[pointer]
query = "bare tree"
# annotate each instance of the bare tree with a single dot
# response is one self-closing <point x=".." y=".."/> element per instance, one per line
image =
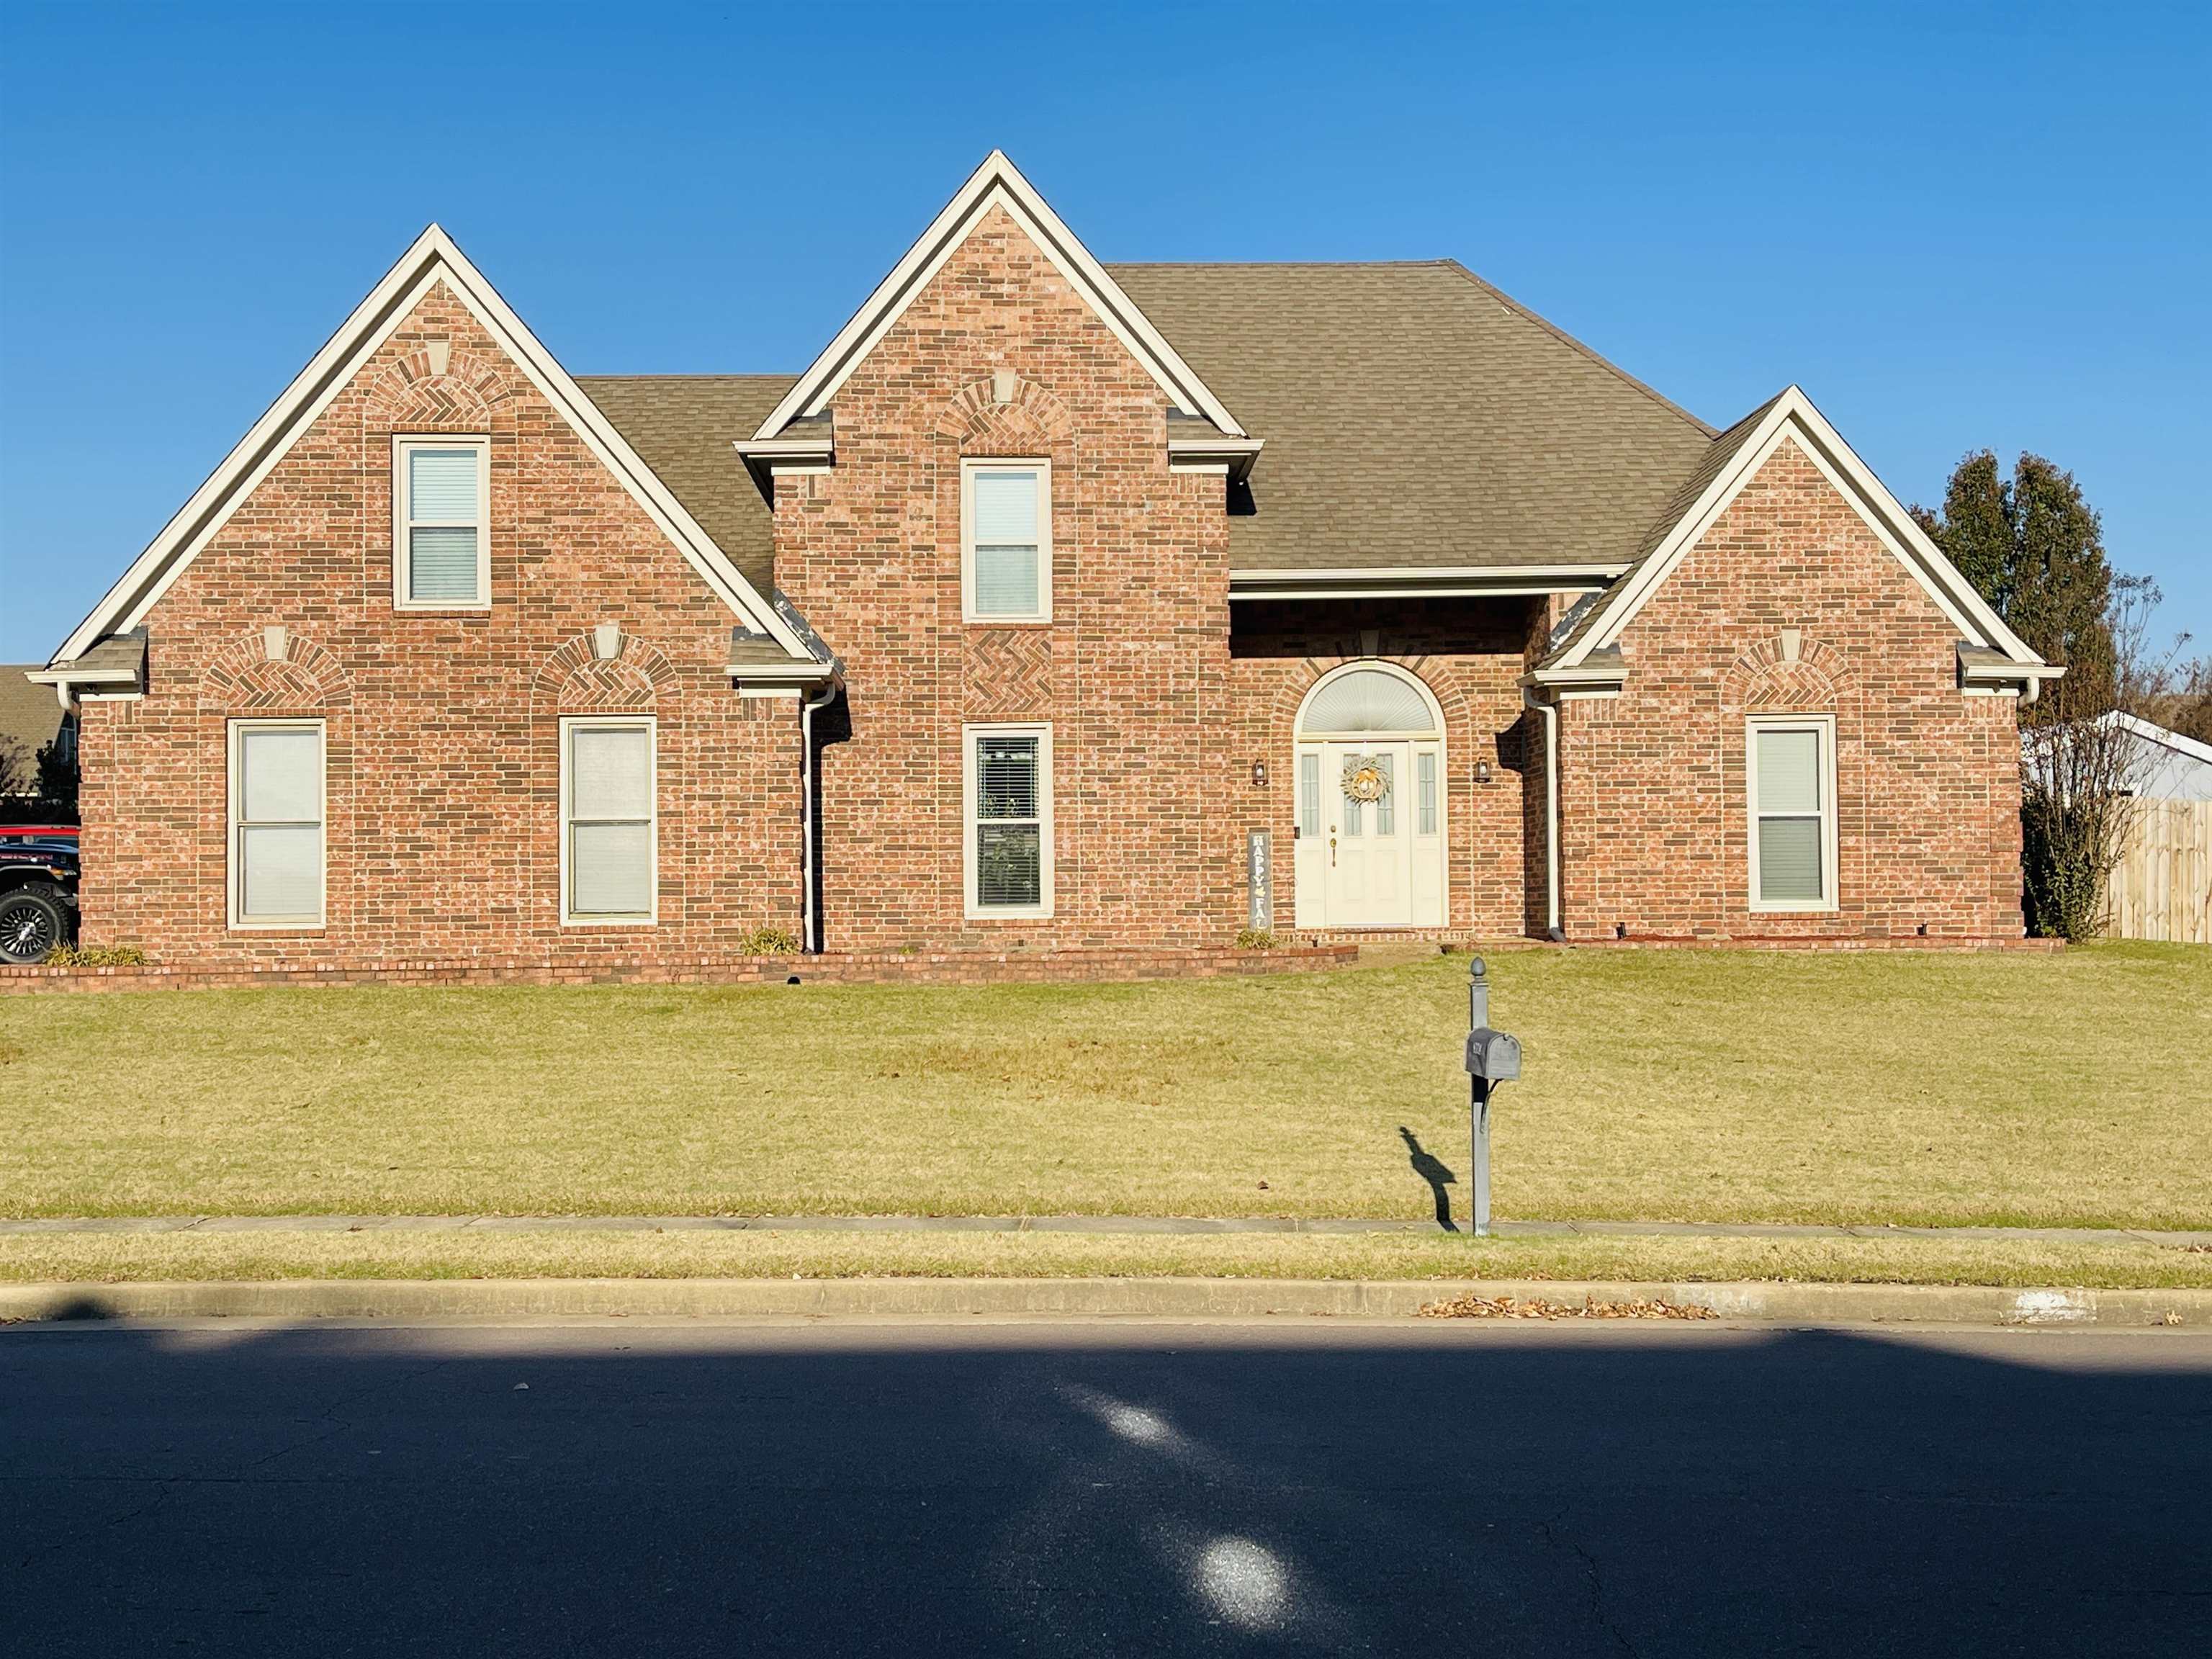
<point x="2080" y="768"/>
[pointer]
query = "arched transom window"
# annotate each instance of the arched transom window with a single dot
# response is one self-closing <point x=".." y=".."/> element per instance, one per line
<point x="1369" y="700"/>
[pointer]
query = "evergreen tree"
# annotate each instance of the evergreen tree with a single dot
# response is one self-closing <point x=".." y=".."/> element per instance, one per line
<point x="2035" y="549"/>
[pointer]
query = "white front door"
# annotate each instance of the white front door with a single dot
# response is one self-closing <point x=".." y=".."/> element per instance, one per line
<point x="1366" y="854"/>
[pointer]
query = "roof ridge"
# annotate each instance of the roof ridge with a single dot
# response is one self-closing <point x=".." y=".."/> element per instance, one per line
<point x="699" y="374"/>
<point x="1567" y="339"/>
<point x="1274" y="264"/>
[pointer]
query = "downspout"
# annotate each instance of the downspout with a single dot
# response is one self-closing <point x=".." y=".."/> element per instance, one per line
<point x="1550" y="712"/>
<point x="810" y="931"/>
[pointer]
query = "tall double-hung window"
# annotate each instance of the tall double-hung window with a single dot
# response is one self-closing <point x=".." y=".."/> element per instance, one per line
<point x="1008" y="786"/>
<point x="442" y="509"/>
<point x="1789" y="776"/>
<point x="277" y="815"/>
<point x="610" y="830"/>
<point x="1005" y="541"/>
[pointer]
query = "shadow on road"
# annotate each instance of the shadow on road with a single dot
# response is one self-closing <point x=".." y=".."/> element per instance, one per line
<point x="1098" y="1489"/>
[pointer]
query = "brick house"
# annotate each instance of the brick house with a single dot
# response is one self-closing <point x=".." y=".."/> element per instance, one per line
<point x="1056" y="605"/>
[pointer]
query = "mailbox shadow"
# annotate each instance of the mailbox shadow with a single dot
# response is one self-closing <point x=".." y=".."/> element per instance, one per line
<point x="1435" y="1172"/>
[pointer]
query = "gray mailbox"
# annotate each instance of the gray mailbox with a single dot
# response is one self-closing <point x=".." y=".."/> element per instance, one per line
<point x="1493" y="1057"/>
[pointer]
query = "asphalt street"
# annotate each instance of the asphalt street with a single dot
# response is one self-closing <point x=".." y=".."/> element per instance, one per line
<point x="1108" y="1488"/>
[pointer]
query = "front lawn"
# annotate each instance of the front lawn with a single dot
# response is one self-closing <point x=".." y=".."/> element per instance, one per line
<point x="1705" y="1086"/>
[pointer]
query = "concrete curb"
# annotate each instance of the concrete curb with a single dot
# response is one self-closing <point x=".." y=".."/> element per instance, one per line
<point x="1217" y="1298"/>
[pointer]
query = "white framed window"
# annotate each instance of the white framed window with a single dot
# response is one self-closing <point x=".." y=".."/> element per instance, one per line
<point x="277" y="807"/>
<point x="1424" y="776"/>
<point x="1005" y="541"/>
<point x="1790" y="787"/>
<point x="441" y="523"/>
<point x="1007" y="841"/>
<point x="609" y="826"/>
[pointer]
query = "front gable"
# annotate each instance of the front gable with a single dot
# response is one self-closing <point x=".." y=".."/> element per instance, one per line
<point x="1788" y="428"/>
<point x="994" y="199"/>
<point x="433" y="277"/>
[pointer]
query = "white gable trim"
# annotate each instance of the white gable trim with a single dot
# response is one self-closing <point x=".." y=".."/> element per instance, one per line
<point x="1793" y="417"/>
<point x="997" y="182"/>
<point x="432" y="260"/>
<point x="2189" y="748"/>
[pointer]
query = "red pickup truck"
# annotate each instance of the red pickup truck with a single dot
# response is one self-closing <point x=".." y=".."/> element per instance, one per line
<point x="39" y="869"/>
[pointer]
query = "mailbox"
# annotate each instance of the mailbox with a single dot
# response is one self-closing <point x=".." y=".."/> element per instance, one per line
<point x="1493" y="1056"/>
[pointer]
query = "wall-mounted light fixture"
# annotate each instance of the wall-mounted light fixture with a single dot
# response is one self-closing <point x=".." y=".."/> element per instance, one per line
<point x="1482" y="771"/>
<point x="1259" y="775"/>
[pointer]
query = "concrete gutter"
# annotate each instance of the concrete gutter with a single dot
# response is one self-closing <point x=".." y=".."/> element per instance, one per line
<point x="1169" y="1298"/>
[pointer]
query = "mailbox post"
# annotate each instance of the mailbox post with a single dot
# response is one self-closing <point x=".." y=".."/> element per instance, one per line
<point x="1492" y="1057"/>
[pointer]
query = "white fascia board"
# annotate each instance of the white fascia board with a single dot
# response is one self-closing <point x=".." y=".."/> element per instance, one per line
<point x="432" y="258"/>
<point x="1421" y="571"/>
<point x="997" y="182"/>
<point x="1794" y="415"/>
<point x="796" y="673"/>
<point x="1443" y="582"/>
<point x="1231" y="456"/>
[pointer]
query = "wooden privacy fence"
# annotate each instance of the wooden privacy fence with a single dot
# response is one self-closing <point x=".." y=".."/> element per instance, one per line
<point x="2162" y="886"/>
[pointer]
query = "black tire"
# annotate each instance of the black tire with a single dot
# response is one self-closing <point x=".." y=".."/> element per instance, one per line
<point x="33" y="922"/>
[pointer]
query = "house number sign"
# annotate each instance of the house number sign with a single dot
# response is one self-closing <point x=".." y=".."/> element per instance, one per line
<point x="1259" y="878"/>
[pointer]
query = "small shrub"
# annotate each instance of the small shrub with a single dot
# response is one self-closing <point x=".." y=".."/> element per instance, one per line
<point x="769" y="941"/>
<point x="97" y="955"/>
<point x="1254" y="939"/>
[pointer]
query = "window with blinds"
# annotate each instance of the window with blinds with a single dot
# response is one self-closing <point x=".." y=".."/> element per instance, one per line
<point x="1790" y="774"/>
<point x="609" y="828"/>
<point x="1009" y="821"/>
<point x="440" y="499"/>
<point x="1006" y="556"/>
<point x="277" y="823"/>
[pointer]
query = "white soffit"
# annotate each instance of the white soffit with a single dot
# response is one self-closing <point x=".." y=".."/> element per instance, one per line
<point x="1793" y="416"/>
<point x="432" y="258"/>
<point x="997" y="182"/>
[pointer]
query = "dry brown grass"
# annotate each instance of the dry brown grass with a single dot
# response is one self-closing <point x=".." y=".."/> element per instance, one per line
<point x="2075" y="1090"/>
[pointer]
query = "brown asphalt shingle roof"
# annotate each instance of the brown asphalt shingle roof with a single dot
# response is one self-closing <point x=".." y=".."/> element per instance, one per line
<point x="1415" y="416"/>
<point x="685" y="426"/>
<point x="30" y="716"/>
<point x="1412" y="415"/>
<point x="1679" y="501"/>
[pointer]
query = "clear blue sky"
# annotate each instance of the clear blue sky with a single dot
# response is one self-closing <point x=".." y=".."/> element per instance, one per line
<point x="1989" y="227"/>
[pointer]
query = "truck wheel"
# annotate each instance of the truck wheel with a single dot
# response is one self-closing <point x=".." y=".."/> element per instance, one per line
<point x="33" y="922"/>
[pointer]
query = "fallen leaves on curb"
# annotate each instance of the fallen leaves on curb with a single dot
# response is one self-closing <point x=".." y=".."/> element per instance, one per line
<point x="1509" y="1307"/>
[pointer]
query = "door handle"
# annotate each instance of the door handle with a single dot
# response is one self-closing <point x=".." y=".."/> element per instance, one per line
<point x="1332" y="849"/>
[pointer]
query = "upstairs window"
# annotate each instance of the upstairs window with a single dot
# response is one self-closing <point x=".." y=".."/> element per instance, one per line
<point x="1790" y="778"/>
<point x="441" y="504"/>
<point x="1006" y="554"/>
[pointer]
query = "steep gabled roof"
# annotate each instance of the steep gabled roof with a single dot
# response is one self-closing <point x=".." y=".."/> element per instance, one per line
<point x="1416" y="417"/>
<point x="997" y="184"/>
<point x="433" y="260"/>
<point x="1734" y="460"/>
<point x="685" y="426"/>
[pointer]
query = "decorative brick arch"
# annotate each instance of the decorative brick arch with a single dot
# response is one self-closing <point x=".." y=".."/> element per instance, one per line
<point x="1030" y="422"/>
<point x="574" y="679"/>
<point x="1292" y="689"/>
<point x="413" y="394"/>
<point x="1761" y="680"/>
<point x="242" y="678"/>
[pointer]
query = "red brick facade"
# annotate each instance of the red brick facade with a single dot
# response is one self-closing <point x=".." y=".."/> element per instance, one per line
<point x="1653" y="810"/>
<point x="443" y="831"/>
<point x="1132" y="672"/>
<point x="443" y="820"/>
